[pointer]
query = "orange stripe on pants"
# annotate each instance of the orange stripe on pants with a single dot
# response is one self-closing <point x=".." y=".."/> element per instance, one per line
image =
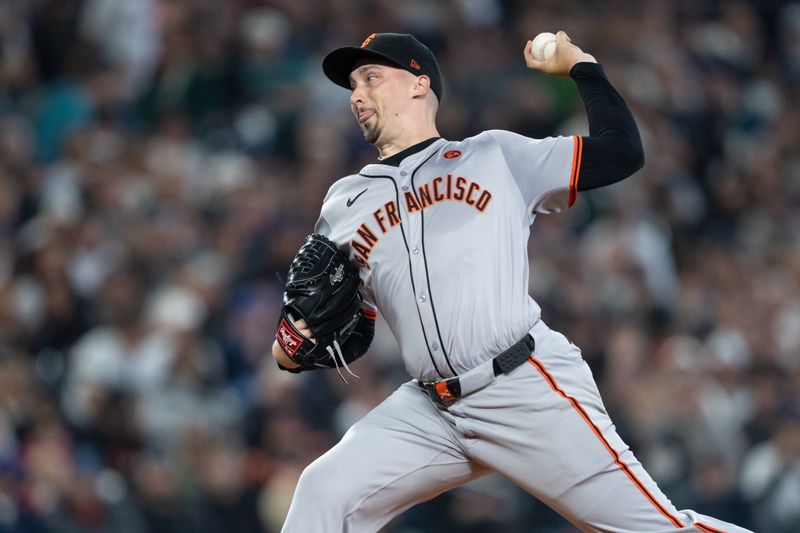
<point x="621" y="464"/>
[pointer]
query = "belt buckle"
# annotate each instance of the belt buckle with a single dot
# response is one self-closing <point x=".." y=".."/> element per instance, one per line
<point x="443" y="392"/>
<point x="440" y="391"/>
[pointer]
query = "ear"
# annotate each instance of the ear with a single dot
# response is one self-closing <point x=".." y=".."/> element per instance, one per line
<point x="422" y="84"/>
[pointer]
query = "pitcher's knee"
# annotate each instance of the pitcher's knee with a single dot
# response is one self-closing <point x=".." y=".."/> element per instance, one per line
<point x="324" y="487"/>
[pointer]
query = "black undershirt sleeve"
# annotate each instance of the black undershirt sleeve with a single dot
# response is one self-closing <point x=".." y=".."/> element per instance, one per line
<point x="613" y="150"/>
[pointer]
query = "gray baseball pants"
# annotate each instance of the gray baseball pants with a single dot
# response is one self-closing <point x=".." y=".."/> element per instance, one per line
<point x="543" y="426"/>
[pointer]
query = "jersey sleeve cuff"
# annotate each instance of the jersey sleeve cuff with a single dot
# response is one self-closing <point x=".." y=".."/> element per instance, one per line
<point x="577" y="152"/>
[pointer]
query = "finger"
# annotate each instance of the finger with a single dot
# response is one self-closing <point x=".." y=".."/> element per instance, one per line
<point x="531" y="61"/>
<point x="304" y="330"/>
<point x="562" y="36"/>
<point x="534" y="63"/>
<point x="308" y="334"/>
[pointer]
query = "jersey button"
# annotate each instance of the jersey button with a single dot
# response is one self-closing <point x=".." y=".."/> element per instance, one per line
<point x="403" y="173"/>
<point x="435" y="346"/>
<point x="423" y="297"/>
<point x="415" y="250"/>
<point x="405" y="187"/>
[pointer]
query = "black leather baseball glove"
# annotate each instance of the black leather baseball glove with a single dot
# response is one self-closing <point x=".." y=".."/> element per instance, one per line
<point x="322" y="289"/>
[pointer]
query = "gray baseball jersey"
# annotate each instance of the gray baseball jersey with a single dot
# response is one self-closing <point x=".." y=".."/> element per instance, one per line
<point x="442" y="244"/>
<point x="442" y="241"/>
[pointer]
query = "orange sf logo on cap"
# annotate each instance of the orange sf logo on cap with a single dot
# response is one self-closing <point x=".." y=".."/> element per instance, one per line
<point x="367" y="40"/>
<point x="414" y="64"/>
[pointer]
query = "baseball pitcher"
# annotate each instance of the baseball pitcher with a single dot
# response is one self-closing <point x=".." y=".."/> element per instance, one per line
<point x="434" y="234"/>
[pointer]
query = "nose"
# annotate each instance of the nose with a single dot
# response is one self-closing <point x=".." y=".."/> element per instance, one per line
<point x="357" y="96"/>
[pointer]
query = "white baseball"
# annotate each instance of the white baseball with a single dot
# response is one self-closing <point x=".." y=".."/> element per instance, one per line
<point x="544" y="46"/>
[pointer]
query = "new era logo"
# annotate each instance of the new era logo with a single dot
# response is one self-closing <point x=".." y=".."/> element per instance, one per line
<point x="414" y="64"/>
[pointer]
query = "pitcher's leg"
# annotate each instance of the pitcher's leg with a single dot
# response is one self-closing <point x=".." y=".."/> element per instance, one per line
<point x="568" y="454"/>
<point x="400" y="454"/>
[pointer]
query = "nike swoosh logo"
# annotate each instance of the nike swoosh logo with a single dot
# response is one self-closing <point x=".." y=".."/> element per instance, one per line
<point x="351" y="201"/>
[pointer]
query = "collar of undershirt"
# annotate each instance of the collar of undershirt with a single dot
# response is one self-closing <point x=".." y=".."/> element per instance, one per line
<point x="397" y="158"/>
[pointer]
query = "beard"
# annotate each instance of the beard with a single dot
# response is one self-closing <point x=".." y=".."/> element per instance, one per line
<point x="371" y="134"/>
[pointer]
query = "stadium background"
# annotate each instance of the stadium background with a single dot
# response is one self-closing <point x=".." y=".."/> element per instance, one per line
<point x="160" y="160"/>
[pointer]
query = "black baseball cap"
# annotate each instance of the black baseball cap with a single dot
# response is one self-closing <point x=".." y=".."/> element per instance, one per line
<point x="400" y="49"/>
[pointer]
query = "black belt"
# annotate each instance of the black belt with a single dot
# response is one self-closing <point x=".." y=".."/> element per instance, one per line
<point x="448" y="390"/>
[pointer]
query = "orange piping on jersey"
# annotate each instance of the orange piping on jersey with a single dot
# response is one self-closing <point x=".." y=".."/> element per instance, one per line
<point x="623" y="466"/>
<point x="578" y="166"/>
<point x="571" y="199"/>
<point x="577" y="152"/>
<point x="707" y="529"/>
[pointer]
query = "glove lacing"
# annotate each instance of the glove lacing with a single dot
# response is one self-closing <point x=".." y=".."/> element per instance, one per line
<point x="338" y="352"/>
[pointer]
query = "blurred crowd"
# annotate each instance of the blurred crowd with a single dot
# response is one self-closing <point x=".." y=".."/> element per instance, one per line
<point x="162" y="160"/>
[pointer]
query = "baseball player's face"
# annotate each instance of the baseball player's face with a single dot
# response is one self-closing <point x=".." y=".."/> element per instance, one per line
<point x="379" y="95"/>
